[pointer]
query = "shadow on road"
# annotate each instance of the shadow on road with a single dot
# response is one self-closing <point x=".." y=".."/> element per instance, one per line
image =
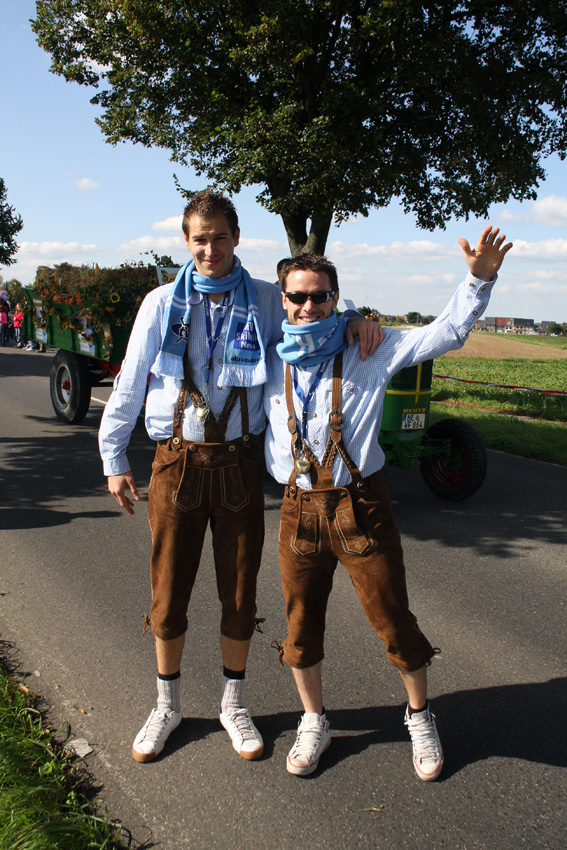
<point x="520" y="505"/>
<point x="509" y="721"/>
<point x="14" y="361"/>
<point x="38" y="475"/>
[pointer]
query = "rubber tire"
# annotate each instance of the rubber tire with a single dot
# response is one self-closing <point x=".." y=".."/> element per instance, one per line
<point x="70" y="387"/>
<point x="448" y="483"/>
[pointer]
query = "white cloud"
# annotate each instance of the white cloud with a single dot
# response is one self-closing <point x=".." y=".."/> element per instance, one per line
<point x="173" y="224"/>
<point x="154" y="243"/>
<point x="429" y="280"/>
<point x="59" y="250"/>
<point x="34" y="254"/>
<point x="424" y="249"/>
<point x="86" y="183"/>
<point x="548" y="249"/>
<point x="263" y="246"/>
<point x="542" y="288"/>
<point x="551" y="211"/>
<point x="507" y="215"/>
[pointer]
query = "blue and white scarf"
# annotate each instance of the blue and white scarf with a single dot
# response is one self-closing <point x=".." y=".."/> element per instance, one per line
<point x="309" y="345"/>
<point x="244" y="362"/>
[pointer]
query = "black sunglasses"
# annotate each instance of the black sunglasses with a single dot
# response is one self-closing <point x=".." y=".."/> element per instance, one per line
<point x="320" y="297"/>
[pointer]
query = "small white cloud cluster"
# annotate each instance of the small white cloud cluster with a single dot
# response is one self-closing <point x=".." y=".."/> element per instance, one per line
<point x="87" y="183"/>
<point x="551" y="211"/>
<point x="548" y="249"/>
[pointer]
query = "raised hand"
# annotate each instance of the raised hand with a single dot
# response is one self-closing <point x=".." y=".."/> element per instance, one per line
<point x="486" y="258"/>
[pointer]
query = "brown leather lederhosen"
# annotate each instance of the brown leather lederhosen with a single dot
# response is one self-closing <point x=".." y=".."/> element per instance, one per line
<point x="354" y="525"/>
<point x="196" y="484"/>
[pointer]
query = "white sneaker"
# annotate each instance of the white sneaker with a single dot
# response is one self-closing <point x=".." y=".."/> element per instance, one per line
<point x="427" y="750"/>
<point x="245" y="738"/>
<point x="313" y="738"/>
<point x="150" y="740"/>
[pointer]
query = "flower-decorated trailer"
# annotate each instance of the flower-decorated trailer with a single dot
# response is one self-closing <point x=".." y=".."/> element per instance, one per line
<point x="87" y="314"/>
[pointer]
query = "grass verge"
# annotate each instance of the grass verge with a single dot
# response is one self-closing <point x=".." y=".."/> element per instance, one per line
<point x="44" y="800"/>
<point x="537" y="439"/>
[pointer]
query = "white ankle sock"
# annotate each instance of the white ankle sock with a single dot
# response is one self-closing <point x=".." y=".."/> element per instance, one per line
<point x="231" y="694"/>
<point x="169" y="698"/>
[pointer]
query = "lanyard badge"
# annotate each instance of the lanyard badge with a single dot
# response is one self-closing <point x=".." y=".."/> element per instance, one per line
<point x="213" y="336"/>
<point x="302" y="465"/>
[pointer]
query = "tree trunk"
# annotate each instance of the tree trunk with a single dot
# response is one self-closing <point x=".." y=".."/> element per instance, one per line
<point x="299" y="241"/>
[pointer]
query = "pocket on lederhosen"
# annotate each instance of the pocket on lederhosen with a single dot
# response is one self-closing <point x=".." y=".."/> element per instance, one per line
<point x="331" y="506"/>
<point x="203" y="460"/>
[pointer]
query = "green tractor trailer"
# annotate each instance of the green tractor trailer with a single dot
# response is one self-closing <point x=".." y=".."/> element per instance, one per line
<point x="89" y="325"/>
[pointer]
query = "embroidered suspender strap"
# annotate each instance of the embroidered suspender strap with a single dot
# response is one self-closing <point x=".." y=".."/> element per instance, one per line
<point x="214" y="430"/>
<point x="178" y="417"/>
<point x="336" y="418"/>
<point x="336" y="421"/>
<point x="321" y="473"/>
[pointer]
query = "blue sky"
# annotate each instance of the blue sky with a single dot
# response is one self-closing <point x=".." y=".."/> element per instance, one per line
<point x="84" y="201"/>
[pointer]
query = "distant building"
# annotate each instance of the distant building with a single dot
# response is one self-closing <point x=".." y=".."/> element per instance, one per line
<point x="505" y="324"/>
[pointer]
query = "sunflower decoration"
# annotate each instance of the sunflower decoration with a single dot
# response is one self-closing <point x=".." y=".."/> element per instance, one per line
<point x="92" y="300"/>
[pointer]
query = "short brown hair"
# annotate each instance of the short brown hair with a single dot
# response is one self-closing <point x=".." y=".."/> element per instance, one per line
<point x="208" y="204"/>
<point x="307" y="262"/>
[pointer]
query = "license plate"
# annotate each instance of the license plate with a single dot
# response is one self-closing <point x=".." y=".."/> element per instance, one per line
<point x="413" y="421"/>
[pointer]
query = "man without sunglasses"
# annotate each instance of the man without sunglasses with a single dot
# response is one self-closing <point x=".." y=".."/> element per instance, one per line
<point x="324" y="408"/>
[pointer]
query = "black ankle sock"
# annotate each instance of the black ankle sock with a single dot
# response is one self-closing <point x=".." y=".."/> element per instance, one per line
<point x="417" y="710"/>
<point x="233" y="674"/>
<point x="169" y="677"/>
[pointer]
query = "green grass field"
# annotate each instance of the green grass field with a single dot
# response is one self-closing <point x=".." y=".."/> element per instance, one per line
<point x="537" y="374"/>
<point x="534" y="424"/>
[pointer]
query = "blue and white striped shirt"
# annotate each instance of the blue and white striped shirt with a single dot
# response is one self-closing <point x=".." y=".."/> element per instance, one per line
<point x="363" y="388"/>
<point x="129" y="391"/>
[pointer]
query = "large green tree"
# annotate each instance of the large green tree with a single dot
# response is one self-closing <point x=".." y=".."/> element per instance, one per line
<point x="10" y="224"/>
<point x="332" y="107"/>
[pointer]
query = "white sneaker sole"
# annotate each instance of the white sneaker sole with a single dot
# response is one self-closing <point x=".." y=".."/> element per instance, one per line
<point x="310" y="768"/>
<point x="249" y="755"/>
<point x="143" y="758"/>
<point x="429" y="777"/>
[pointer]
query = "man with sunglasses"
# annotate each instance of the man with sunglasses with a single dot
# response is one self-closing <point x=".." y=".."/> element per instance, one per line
<point x="324" y="408"/>
<point x="202" y="342"/>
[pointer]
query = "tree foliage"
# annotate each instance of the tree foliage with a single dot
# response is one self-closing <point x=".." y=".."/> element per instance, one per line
<point x="10" y="224"/>
<point x="332" y="107"/>
<point x="15" y="292"/>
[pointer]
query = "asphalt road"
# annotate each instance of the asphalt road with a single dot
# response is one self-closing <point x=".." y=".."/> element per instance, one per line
<point x="487" y="580"/>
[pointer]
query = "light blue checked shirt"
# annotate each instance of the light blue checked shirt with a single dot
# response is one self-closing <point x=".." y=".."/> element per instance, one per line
<point x="129" y="391"/>
<point x="363" y="388"/>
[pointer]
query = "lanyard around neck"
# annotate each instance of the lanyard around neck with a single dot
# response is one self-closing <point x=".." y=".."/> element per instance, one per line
<point x="213" y="334"/>
<point x="306" y="399"/>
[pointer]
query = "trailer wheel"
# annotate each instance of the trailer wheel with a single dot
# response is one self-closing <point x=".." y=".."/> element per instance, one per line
<point x="459" y="475"/>
<point x="70" y="386"/>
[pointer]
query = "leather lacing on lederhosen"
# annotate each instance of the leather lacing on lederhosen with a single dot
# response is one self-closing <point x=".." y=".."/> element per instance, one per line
<point x="321" y="474"/>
